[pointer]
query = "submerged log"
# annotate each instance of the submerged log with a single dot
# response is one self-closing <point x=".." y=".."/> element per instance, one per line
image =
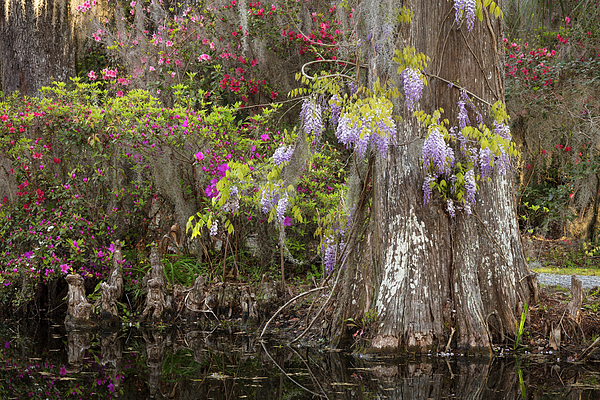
<point x="78" y="308"/>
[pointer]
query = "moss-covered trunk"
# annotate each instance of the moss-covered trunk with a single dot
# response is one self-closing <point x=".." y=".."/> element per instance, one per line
<point x="431" y="272"/>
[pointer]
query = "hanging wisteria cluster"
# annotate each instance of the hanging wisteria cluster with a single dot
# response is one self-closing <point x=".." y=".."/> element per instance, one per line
<point x="335" y="110"/>
<point x="273" y="200"/>
<point x="311" y="118"/>
<point x="359" y="127"/>
<point x="214" y="228"/>
<point x="269" y="200"/>
<point x="439" y="155"/>
<point x="413" y="87"/>
<point x="282" y="205"/>
<point x="330" y="254"/>
<point x="232" y="204"/>
<point x="465" y="10"/>
<point x="283" y="155"/>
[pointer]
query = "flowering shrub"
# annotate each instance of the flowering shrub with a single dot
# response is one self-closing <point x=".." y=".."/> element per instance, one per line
<point x="83" y="175"/>
<point x="531" y="67"/>
<point x="552" y="97"/>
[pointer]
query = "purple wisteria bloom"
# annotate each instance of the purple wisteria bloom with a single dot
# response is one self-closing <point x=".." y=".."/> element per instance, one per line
<point x="503" y="160"/>
<point x="268" y="200"/>
<point x="330" y="254"/>
<point x="486" y="158"/>
<point x="386" y="136"/>
<point x="282" y="206"/>
<point x="463" y="117"/>
<point x="353" y="88"/>
<point x="471" y="189"/>
<point x="283" y="155"/>
<point x="233" y="203"/>
<point x="450" y="207"/>
<point x="464" y="97"/>
<point x="427" y="189"/>
<point x="335" y="110"/>
<point x="436" y="153"/>
<point x="413" y="87"/>
<point x="363" y="143"/>
<point x="465" y="9"/>
<point x="502" y="130"/>
<point x="347" y="131"/>
<point x="214" y="228"/>
<point x="311" y="118"/>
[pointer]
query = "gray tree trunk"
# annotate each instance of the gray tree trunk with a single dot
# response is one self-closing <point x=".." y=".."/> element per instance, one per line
<point x="36" y="45"/>
<point x="430" y="272"/>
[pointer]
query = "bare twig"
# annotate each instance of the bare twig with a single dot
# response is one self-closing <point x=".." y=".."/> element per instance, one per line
<point x="337" y="280"/>
<point x="287" y="304"/>
<point x="591" y="349"/>
<point x="449" y="341"/>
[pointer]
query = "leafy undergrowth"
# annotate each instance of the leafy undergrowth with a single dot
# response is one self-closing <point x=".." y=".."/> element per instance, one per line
<point x="566" y="256"/>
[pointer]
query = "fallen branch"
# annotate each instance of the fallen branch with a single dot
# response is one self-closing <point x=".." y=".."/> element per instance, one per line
<point x="287" y="304"/>
<point x="324" y="304"/>
<point x="590" y="350"/>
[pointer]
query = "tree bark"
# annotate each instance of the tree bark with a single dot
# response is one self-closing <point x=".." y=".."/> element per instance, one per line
<point x="433" y="272"/>
<point x="36" y="45"/>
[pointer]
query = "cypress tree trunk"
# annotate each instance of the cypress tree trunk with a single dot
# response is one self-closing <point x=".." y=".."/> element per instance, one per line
<point x="36" y="45"/>
<point x="430" y="272"/>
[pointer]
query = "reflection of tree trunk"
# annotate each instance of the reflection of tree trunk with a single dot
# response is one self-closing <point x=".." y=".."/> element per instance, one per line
<point x="462" y="379"/>
<point x="35" y="44"/>
<point x="155" y="347"/>
<point x="77" y="343"/>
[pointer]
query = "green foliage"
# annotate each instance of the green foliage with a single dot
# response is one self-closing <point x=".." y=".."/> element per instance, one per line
<point x="521" y="325"/>
<point x="183" y="270"/>
<point x="552" y="86"/>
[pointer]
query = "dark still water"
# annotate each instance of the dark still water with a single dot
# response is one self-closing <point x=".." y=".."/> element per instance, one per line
<point x="41" y="360"/>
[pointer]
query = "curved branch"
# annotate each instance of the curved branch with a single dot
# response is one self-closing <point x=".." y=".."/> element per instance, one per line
<point x="287" y="304"/>
<point x="331" y="75"/>
<point x="458" y="87"/>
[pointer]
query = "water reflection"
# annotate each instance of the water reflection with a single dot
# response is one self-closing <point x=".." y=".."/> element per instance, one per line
<point x="77" y="343"/>
<point x="196" y="364"/>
